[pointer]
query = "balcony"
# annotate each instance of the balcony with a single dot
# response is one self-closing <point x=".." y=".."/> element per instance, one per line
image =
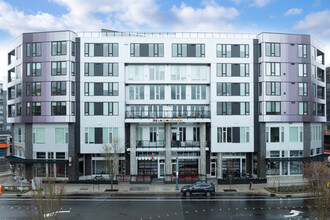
<point x="185" y="144"/>
<point x="167" y="114"/>
<point x="150" y="144"/>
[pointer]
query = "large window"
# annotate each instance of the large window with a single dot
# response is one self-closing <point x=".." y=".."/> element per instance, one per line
<point x="233" y="108"/>
<point x="294" y="134"/>
<point x="273" y="108"/>
<point x="58" y="68"/>
<point x="101" y="69"/>
<point x="157" y="92"/>
<point x="156" y="72"/>
<point x="136" y="92"/>
<point x="101" y="89"/>
<point x="61" y="136"/>
<point x="303" y="108"/>
<point x="36" y="89"/>
<point x="101" y="108"/>
<point x="198" y="92"/>
<point x="101" y="50"/>
<point x="188" y="50"/>
<point x="233" y="134"/>
<point x="199" y="72"/>
<point x="273" y="50"/>
<point x="33" y="49"/>
<point x="58" y="48"/>
<point x="273" y="88"/>
<point x="58" y="108"/>
<point x="178" y="72"/>
<point x="147" y="50"/>
<point x="233" y="89"/>
<point x="302" y="50"/>
<point x="232" y="50"/>
<point x="302" y="69"/>
<point x="34" y="68"/>
<point x="38" y="135"/>
<point x="302" y="89"/>
<point x="100" y="135"/>
<point x="273" y="69"/>
<point x="237" y="70"/>
<point x="19" y="90"/>
<point x="58" y="88"/>
<point x="178" y="92"/>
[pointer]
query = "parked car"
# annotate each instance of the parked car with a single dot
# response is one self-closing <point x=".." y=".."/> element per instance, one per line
<point x="201" y="188"/>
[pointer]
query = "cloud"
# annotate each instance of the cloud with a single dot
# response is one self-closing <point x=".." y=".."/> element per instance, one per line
<point x="293" y="11"/>
<point x="260" y="3"/>
<point x="316" y="23"/>
<point x="210" y="18"/>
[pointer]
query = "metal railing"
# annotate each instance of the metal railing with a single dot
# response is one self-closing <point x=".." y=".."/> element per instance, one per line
<point x="168" y="114"/>
<point x="185" y="144"/>
<point x="150" y="144"/>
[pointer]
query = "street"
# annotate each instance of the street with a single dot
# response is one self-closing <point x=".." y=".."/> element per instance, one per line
<point x="142" y="207"/>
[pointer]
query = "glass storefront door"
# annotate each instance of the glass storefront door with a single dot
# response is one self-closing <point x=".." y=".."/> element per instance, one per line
<point x="161" y="169"/>
<point x="213" y="169"/>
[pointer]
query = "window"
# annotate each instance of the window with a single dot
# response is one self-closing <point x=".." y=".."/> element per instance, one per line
<point x="314" y="71"/>
<point x="58" y="68"/>
<point x="101" y="50"/>
<point x="18" y="109"/>
<point x="232" y="50"/>
<point x="274" y="134"/>
<point x="178" y="92"/>
<point x="147" y="50"/>
<point x="224" y="135"/>
<point x="35" y="68"/>
<point x="73" y="48"/>
<point x="178" y="72"/>
<point x="302" y="69"/>
<point x="61" y="136"/>
<point x="302" y="50"/>
<point x="38" y="135"/>
<point x="58" y="48"/>
<point x="19" y="90"/>
<point x="11" y="110"/>
<point x="320" y="92"/>
<point x="36" y="49"/>
<point x="199" y="72"/>
<point x="100" y="135"/>
<point x="156" y="72"/>
<point x="73" y="108"/>
<point x="28" y="89"/>
<point x="196" y="134"/>
<point x="314" y="89"/>
<point x="28" y="108"/>
<point x="273" y="108"/>
<point x="233" y="134"/>
<point x="157" y="92"/>
<point x="296" y="153"/>
<point x="188" y="50"/>
<point x="273" y="69"/>
<point x="273" y="88"/>
<point x="198" y="92"/>
<point x="302" y="89"/>
<point x="244" y="50"/>
<point x="233" y="89"/>
<point x="273" y="50"/>
<point x="293" y="134"/>
<point x="223" y="69"/>
<point x="101" y="108"/>
<point x="58" y="108"/>
<point x="320" y="109"/>
<point x="136" y="92"/>
<point x="36" y="89"/>
<point x="58" y="88"/>
<point x="101" y="89"/>
<point x="101" y="69"/>
<point x="73" y="69"/>
<point x="223" y="50"/>
<point x="303" y="108"/>
<point x="233" y="108"/>
<point x="316" y="133"/>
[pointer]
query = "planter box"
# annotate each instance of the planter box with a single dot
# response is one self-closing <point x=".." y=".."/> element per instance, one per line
<point x="241" y="181"/>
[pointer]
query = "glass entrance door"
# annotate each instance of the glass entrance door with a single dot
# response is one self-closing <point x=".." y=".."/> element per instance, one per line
<point x="161" y="169"/>
<point x="213" y="169"/>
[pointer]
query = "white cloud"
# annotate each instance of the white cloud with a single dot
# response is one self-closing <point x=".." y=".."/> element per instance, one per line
<point x="316" y="23"/>
<point x="293" y="11"/>
<point x="210" y="18"/>
<point x="260" y="3"/>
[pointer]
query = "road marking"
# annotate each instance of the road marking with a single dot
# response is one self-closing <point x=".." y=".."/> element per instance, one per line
<point x="293" y="213"/>
<point x="54" y="213"/>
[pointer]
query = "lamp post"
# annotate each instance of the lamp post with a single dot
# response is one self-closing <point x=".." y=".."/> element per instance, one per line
<point x="177" y="173"/>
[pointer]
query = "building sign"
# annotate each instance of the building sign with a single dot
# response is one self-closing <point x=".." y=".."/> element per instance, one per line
<point x="19" y="146"/>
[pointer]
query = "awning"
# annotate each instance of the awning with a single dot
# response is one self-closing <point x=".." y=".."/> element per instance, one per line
<point x="4" y="146"/>
<point x="15" y="160"/>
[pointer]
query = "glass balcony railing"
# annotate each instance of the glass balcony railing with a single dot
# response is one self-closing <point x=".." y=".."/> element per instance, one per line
<point x="168" y="114"/>
<point x="150" y="144"/>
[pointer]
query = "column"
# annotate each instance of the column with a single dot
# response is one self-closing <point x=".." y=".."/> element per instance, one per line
<point x="133" y="170"/>
<point x="28" y="151"/>
<point x="203" y="151"/>
<point x="73" y="170"/>
<point x="261" y="169"/>
<point x="168" y="153"/>
<point x="219" y="165"/>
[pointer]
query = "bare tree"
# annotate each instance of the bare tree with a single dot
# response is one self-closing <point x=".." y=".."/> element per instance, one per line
<point x="111" y="154"/>
<point x="47" y="200"/>
<point x="317" y="176"/>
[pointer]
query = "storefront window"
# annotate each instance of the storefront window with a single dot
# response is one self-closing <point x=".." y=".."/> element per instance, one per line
<point x="295" y="168"/>
<point x="61" y="170"/>
<point x="40" y="169"/>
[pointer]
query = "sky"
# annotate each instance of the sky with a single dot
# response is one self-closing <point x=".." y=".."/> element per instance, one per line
<point x="227" y="16"/>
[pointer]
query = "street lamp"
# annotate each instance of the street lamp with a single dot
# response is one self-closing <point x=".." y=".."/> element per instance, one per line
<point x="177" y="173"/>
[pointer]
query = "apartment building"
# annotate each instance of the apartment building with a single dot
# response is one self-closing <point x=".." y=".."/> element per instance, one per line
<point x="223" y="104"/>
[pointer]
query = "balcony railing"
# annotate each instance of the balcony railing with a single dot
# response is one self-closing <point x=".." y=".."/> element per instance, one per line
<point x="150" y="144"/>
<point x="185" y="144"/>
<point x="168" y="114"/>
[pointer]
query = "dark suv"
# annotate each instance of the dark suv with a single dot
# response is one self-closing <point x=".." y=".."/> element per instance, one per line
<point x="207" y="189"/>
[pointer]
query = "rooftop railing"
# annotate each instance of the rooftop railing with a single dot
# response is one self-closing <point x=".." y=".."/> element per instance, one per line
<point x="168" y="114"/>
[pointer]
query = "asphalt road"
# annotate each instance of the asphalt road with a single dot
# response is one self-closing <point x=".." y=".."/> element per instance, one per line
<point x="143" y="207"/>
